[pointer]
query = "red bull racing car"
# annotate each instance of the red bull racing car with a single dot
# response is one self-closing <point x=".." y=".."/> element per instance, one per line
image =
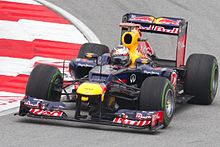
<point x="128" y="86"/>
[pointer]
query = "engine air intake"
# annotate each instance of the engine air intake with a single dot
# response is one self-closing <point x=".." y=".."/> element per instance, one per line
<point x="128" y="38"/>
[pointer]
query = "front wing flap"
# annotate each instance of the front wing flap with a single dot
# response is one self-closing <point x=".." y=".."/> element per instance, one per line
<point x="141" y="119"/>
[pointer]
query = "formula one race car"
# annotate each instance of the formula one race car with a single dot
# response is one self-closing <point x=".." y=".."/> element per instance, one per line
<point x="128" y="86"/>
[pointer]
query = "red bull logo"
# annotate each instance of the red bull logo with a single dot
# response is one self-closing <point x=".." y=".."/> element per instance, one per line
<point x="148" y="19"/>
<point x="167" y="21"/>
<point x="162" y="29"/>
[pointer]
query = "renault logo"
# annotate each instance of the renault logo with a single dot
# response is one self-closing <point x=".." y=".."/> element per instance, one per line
<point x="132" y="78"/>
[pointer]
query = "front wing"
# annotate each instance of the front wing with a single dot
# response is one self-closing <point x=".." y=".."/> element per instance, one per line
<point x="38" y="108"/>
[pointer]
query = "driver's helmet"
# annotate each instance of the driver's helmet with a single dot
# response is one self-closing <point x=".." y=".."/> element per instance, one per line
<point x="120" y="56"/>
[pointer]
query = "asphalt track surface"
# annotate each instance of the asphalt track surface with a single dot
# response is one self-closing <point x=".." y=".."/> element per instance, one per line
<point x="192" y="125"/>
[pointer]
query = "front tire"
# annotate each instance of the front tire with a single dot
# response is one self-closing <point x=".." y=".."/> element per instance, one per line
<point x="201" y="80"/>
<point x="45" y="82"/>
<point x="157" y="94"/>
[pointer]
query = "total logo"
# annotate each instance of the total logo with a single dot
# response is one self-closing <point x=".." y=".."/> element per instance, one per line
<point x="140" y="116"/>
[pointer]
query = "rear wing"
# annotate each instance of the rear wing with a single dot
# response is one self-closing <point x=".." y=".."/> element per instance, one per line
<point x="162" y="25"/>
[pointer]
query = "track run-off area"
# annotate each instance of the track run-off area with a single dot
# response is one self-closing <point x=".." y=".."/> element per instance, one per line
<point x="192" y="125"/>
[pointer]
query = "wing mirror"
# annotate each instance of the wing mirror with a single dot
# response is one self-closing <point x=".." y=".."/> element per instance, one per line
<point x="91" y="56"/>
<point x="140" y="61"/>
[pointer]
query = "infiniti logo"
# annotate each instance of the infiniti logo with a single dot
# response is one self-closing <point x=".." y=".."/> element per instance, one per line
<point x="132" y="78"/>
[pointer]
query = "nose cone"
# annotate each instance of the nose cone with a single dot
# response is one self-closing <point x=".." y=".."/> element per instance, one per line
<point x="91" y="89"/>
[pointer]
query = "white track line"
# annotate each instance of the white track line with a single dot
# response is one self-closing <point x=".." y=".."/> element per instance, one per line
<point x="24" y="66"/>
<point x="29" y="30"/>
<point x="23" y="1"/>
<point x="15" y="66"/>
<point x="3" y="93"/>
<point x="75" y="21"/>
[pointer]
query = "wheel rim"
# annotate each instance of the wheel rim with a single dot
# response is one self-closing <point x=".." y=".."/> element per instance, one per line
<point x="214" y="83"/>
<point x="169" y="103"/>
<point x="56" y="88"/>
<point x="57" y="85"/>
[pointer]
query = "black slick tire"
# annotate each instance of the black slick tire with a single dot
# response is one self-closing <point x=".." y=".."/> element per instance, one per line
<point x="45" y="82"/>
<point x="155" y="94"/>
<point x="201" y="79"/>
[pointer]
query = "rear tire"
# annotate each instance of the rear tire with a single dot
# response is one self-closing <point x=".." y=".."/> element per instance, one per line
<point x="98" y="49"/>
<point x="45" y="82"/>
<point x="157" y="94"/>
<point x="201" y="79"/>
